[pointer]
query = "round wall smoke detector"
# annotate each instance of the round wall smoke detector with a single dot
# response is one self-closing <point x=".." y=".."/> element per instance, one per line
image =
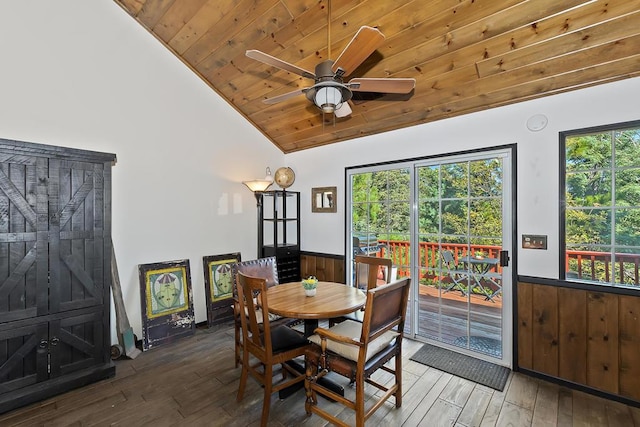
<point x="537" y="122"/>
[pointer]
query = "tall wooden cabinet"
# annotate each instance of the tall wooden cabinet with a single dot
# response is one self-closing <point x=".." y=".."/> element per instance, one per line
<point x="55" y="256"/>
<point x="279" y="232"/>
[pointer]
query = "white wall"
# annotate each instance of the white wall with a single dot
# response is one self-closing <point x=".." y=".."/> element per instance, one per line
<point x="537" y="161"/>
<point x="84" y="74"/>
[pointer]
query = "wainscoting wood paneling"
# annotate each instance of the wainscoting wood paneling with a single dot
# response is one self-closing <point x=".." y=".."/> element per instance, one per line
<point x="585" y="337"/>
<point x="602" y="344"/>
<point x="328" y="268"/>
<point x="629" y="347"/>
<point x="545" y="332"/>
<point x="572" y="317"/>
<point x="525" y="326"/>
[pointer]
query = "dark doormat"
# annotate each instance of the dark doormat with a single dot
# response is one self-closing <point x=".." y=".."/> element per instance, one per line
<point x="461" y="365"/>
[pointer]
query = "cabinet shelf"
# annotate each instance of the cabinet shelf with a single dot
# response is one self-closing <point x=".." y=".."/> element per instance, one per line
<point x="279" y="232"/>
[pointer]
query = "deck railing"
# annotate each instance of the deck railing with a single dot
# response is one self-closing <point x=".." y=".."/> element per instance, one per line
<point x="597" y="266"/>
<point x="583" y="265"/>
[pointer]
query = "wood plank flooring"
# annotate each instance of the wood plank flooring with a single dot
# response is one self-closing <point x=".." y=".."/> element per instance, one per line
<point x="192" y="382"/>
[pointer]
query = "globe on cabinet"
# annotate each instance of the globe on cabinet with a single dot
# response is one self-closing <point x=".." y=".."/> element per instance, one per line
<point x="284" y="177"/>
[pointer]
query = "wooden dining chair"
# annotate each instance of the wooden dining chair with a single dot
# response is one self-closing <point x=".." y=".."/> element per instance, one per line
<point x="268" y="345"/>
<point x="356" y="350"/>
<point x="368" y="270"/>
<point x="265" y="268"/>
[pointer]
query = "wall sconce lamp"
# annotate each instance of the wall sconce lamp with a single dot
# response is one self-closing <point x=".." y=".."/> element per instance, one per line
<point x="258" y="186"/>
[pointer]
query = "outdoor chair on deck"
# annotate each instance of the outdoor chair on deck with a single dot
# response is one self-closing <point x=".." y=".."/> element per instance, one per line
<point x="265" y="268"/>
<point x="356" y="350"/>
<point x="459" y="277"/>
<point x="265" y="345"/>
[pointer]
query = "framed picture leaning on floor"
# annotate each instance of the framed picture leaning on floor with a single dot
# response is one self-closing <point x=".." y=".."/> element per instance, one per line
<point x="218" y="280"/>
<point x="167" y="303"/>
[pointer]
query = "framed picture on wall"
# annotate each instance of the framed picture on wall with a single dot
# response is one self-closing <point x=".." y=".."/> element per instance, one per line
<point x="218" y="281"/>
<point x="323" y="199"/>
<point x="167" y="303"/>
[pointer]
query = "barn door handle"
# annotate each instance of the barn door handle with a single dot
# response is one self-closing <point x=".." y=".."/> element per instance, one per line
<point x="54" y="341"/>
<point x="43" y="344"/>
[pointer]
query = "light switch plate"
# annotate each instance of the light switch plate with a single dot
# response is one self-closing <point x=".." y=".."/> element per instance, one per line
<point x="534" y="241"/>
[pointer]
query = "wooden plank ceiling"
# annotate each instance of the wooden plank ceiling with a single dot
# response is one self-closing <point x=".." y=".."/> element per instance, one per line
<point x="466" y="55"/>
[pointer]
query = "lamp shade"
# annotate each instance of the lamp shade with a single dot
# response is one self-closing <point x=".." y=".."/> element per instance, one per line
<point x="257" y="184"/>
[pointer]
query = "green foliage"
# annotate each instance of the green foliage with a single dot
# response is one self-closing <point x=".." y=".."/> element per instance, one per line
<point x="455" y="199"/>
<point x="381" y="202"/>
<point x="596" y="164"/>
<point x="460" y="199"/>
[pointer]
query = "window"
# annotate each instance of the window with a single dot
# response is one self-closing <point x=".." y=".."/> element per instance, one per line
<point x="600" y="213"/>
<point x="380" y="212"/>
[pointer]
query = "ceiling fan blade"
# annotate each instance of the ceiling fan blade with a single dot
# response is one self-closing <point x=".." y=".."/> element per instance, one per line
<point x="278" y="63"/>
<point x="363" y="44"/>
<point x="343" y="111"/>
<point x="389" y="85"/>
<point x="284" y="96"/>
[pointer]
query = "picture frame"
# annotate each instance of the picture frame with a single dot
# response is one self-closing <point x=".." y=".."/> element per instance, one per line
<point x="324" y="199"/>
<point x="167" y="302"/>
<point x="218" y="281"/>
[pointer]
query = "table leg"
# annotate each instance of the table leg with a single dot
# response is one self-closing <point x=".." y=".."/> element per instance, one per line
<point x="478" y="275"/>
<point x="310" y="326"/>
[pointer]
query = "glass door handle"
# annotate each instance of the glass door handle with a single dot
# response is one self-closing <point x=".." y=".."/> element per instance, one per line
<point x="504" y="258"/>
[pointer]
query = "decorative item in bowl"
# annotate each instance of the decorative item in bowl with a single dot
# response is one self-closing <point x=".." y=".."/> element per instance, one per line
<point x="310" y="284"/>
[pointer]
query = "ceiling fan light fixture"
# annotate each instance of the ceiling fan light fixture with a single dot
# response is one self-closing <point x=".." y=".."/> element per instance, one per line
<point x="328" y="98"/>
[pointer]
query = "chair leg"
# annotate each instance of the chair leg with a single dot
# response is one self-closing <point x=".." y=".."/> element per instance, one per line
<point x="398" y="394"/>
<point x="359" y="401"/>
<point x="266" y="403"/>
<point x="243" y="380"/>
<point x="237" y="343"/>
<point x="237" y="323"/>
<point x="312" y="371"/>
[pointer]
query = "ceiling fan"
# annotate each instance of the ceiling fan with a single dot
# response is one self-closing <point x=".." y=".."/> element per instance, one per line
<point x="330" y="93"/>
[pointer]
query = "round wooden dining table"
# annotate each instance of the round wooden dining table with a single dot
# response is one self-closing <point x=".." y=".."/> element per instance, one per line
<point x="331" y="300"/>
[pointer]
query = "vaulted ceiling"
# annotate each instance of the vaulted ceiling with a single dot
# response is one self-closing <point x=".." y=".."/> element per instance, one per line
<point x="466" y="55"/>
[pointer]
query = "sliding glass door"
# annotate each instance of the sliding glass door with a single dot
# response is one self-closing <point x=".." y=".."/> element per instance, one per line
<point x="445" y="222"/>
<point x="461" y="223"/>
